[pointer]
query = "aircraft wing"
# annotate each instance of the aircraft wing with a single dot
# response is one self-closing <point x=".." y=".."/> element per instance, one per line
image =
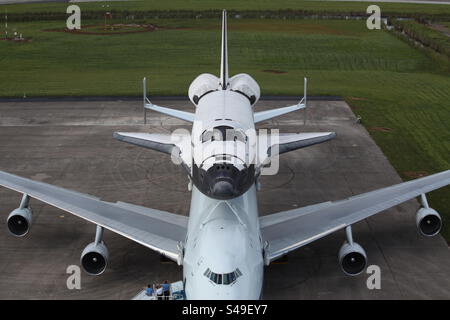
<point x="158" y="230"/>
<point x="292" y="229"/>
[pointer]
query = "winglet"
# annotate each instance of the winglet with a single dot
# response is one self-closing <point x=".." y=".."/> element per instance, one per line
<point x="305" y="87"/>
<point x="144" y="84"/>
<point x="224" y="53"/>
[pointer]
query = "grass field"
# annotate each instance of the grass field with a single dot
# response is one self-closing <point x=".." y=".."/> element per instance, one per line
<point x="386" y="81"/>
<point x="329" y="6"/>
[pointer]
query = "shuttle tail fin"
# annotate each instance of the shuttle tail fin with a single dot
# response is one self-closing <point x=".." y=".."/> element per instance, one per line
<point x="224" y="53"/>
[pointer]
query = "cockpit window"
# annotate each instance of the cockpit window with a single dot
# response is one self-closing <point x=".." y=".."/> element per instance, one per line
<point x="223" y="133"/>
<point x="229" y="278"/>
<point x="226" y="278"/>
<point x="236" y="135"/>
<point x="211" y="135"/>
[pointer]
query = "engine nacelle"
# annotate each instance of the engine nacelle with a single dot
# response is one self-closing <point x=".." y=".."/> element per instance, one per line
<point x="19" y="221"/>
<point x="94" y="258"/>
<point x="353" y="258"/>
<point x="428" y="222"/>
<point x="202" y="85"/>
<point x="245" y="84"/>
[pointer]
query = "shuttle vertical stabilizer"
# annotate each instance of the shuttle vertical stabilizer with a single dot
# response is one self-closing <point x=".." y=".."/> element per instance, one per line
<point x="224" y="53"/>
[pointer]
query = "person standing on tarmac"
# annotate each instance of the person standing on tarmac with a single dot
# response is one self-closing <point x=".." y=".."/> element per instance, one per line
<point x="166" y="289"/>
<point x="149" y="290"/>
<point x="159" y="292"/>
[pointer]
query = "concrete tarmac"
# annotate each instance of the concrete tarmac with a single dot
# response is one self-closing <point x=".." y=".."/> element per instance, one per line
<point x="70" y="144"/>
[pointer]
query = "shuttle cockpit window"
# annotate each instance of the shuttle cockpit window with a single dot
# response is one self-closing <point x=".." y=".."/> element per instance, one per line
<point x="236" y="135"/>
<point x="225" y="279"/>
<point x="224" y="133"/>
<point x="212" y="135"/>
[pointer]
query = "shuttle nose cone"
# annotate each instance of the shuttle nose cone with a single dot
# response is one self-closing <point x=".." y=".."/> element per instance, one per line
<point x="223" y="189"/>
<point x="222" y="181"/>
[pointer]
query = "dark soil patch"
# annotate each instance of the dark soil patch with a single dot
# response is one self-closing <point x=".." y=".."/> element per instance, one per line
<point x="274" y="71"/>
<point x="17" y="40"/>
<point x="110" y="29"/>
<point x="416" y="174"/>
<point x="357" y="99"/>
<point x="380" y="129"/>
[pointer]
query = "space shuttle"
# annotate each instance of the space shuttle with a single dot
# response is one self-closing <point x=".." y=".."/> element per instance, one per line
<point x="223" y="156"/>
<point x="224" y="244"/>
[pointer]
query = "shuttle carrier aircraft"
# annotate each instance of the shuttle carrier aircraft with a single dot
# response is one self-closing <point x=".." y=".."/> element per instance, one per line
<point x="223" y="245"/>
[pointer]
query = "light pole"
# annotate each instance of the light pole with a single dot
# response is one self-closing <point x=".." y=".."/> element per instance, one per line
<point x="107" y="14"/>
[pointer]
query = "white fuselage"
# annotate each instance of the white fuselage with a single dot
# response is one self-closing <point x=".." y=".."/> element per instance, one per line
<point x="223" y="256"/>
<point x="223" y="236"/>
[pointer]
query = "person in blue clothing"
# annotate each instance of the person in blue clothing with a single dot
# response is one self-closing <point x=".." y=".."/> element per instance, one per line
<point x="149" y="290"/>
<point x="166" y="289"/>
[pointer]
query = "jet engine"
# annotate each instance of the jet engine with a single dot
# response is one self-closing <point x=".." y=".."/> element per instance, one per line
<point x="203" y="84"/>
<point x="95" y="258"/>
<point x="19" y="221"/>
<point x="428" y="222"/>
<point x="246" y="85"/>
<point x="353" y="258"/>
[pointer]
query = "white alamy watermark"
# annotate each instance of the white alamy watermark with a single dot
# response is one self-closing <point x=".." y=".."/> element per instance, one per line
<point x="74" y="280"/>
<point x="74" y="20"/>
<point x="374" y="20"/>
<point x="374" y="280"/>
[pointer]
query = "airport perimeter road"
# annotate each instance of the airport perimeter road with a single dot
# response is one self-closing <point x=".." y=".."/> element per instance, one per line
<point x="70" y="144"/>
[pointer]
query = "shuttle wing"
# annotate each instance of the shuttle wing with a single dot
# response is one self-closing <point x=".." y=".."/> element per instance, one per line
<point x="293" y="141"/>
<point x="286" y="142"/>
<point x="289" y="230"/>
<point x="158" y="230"/>
<point x="175" y="144"/>
<point x="155" y="141"/>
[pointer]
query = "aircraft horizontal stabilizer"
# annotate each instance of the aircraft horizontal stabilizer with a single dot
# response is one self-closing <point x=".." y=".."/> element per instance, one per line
<point x="293" y="141"/>
<point x="183" y="115"/>
<point x="269" y="114"/>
